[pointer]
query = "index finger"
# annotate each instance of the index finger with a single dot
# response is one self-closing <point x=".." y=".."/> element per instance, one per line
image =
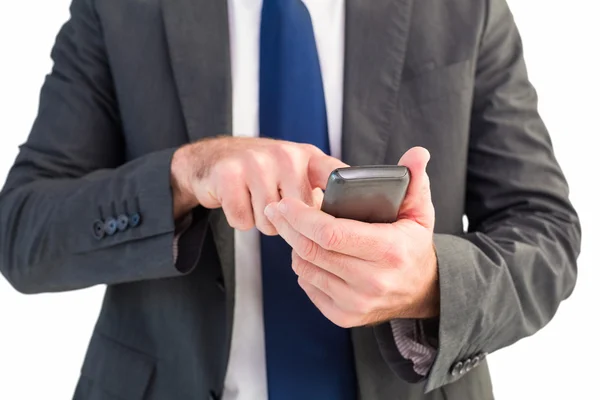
<point x="345" y="236"/>
<point x="320" y="167"/>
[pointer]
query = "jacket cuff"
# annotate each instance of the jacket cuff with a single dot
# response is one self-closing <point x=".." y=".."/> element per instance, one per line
<point x="190" y="233"/>
<point x="181" y="226"/>
<point x="458" y="280"/>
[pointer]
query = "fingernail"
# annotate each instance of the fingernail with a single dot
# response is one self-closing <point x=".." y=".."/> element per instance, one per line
<point x="269" y="211"/>
<point x="282" y="207"/>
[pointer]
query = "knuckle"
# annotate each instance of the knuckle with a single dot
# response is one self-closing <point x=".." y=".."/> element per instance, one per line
<point x="304" y="269"/>
<point x="342" y="265"/>
<point x="241" y="223"/>
<point x="239" y="216"/>
<point x="266" y="228"/>
<point x="287" y="153"/>
<point x="229" y="170"/>
<point x="321" y="281"/>
<point x="271" y="197"/>
<point x="310" y="148"/>
<point x="309" y="251"/>
<point x="394" y="255"/>
<point x="289" y="164"/>
<point x="329" y="236"/>
<point x="300" y="268"/>
<point x="382" y="285"/>
<point x="261" y="161"/>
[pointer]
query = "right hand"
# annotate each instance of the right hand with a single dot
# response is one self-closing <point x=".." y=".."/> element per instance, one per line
<point x="244" y="175"/>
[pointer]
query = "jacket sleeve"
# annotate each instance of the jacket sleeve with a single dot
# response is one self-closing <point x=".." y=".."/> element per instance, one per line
<point x="72" y="213"/>
<point x="504" y="279"/>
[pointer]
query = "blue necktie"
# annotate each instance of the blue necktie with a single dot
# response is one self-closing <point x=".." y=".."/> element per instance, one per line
<point x="308" y="357"/>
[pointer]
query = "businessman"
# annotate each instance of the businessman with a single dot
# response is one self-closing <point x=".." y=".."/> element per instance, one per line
<point x="179" y="156"/>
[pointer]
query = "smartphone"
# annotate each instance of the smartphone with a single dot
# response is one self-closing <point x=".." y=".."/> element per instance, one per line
<point x="370" y="193"/>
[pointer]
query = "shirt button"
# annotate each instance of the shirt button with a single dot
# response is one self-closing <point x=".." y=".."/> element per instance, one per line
<point x="122" y="222"/>
<point x="110" y="226"/>
<point x="98" y="229"/>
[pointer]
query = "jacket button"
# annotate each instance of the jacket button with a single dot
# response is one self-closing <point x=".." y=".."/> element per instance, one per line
<point x="110" y="226"/>
<point x="467" y="366"/>
<point x="122" y="222"/>
<point x="98" y="229"/>
<point x="135" y="220"/>
<point x="476" y="361"/>
<point x="456" y="369"/>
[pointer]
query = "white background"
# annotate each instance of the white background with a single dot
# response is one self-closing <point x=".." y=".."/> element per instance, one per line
<point x="43" y="337"/>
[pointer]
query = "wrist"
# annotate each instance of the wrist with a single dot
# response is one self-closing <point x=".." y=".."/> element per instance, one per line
<point x="426" y="298"/>
<point x="184" y="199"/>
<point x="431" y="307"/>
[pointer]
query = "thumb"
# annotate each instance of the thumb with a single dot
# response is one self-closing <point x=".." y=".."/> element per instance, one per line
<point x="417" y="205"/>
<point x="320" y="167"/>
<point x="317" y="198"/>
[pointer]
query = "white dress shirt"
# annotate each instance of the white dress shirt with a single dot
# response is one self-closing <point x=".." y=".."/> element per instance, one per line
<point x="246" y="374"/>
<point x="246" y="377"/>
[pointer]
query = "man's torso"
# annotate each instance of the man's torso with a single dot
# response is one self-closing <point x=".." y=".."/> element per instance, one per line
<point x="408" y="80"/>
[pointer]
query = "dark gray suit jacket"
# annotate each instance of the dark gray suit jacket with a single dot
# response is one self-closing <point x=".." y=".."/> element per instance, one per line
<point x="133" y="80"/>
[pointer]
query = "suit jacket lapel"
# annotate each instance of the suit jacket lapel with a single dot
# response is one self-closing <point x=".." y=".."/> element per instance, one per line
<point x="376" y="39"/>
<point x="198" y="40"/>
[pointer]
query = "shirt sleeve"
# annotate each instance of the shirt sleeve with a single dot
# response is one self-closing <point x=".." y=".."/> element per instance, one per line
<point x="413" y="345"/>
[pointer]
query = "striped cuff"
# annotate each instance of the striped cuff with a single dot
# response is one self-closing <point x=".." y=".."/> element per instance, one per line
<point x="412" y="345"/>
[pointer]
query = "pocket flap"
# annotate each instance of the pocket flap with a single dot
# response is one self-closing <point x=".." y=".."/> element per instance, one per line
<point x="117" y="369"/>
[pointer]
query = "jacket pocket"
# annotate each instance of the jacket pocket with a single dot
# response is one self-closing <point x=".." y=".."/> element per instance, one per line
<point x="436" y="84"/>
<point x="116" y="369"/>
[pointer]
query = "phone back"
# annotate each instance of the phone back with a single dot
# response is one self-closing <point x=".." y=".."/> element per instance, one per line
<point x="368" y="194"/>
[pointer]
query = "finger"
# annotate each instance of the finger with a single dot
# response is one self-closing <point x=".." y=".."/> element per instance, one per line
<point x="353" y="238"/>
<point x="236" y="204"/>
<point x="328" y="307"/>
<point x="320" y="167"/>
<point x="295" y="184"/>
<point x="205" y="193"/>
<point x="417" y="204"/>
<point x="263" y="191"/>
<point x="317" y="195"/>
<point x="347" y="268"/>
<point x="334" y="287"/>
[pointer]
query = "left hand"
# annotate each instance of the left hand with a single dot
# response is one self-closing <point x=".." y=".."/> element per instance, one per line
<point x="359" y="273"/>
